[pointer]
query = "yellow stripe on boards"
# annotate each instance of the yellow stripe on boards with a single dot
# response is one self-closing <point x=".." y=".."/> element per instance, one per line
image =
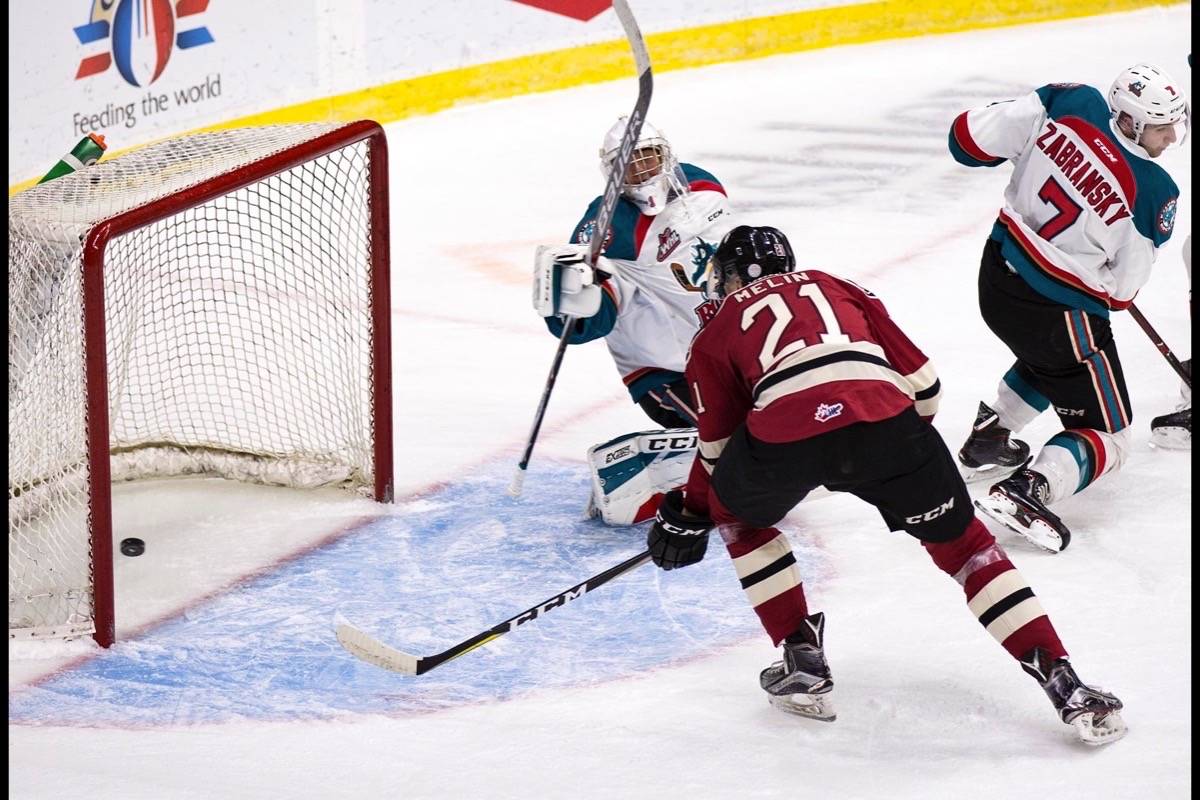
<point x="692" y="47"/>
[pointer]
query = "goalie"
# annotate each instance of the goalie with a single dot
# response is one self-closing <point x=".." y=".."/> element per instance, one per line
<point x="641" y="299"/>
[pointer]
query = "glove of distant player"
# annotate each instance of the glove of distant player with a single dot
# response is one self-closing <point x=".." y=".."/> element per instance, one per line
<point x="563" y="283"/>
<point x="676" y="540"/>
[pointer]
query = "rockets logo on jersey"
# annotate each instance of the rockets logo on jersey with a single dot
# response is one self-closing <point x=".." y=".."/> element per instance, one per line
<point x="1166" y="217"/>
<point x="701" y="252"/>
<point x="681" y="276"/>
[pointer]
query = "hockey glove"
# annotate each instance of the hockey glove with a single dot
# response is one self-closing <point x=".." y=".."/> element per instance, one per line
<point x="563" y="283"/>
<point x="676" y="540"/>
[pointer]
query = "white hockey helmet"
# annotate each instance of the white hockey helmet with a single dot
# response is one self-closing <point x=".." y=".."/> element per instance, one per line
<point x="1149" y="97"/>
<point x="653" y="176"/>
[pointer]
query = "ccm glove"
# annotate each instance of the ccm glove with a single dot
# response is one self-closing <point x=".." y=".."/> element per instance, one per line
<point x="676" y="540"/>
<point x="563" y="282"/>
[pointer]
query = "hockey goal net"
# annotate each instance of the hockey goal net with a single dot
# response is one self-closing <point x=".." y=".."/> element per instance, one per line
<point x="214" y="304"/>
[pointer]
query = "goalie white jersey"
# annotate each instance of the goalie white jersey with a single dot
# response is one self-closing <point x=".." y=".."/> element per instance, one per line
<point x="655" y="268"/>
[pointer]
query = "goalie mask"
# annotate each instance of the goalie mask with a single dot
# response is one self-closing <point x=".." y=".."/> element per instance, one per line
<point x="1149" y="97"/>
<point x="653" y="176"/>
<point x="747" y="253"/>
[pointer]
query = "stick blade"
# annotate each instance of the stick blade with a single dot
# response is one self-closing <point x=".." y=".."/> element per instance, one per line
<point x="518" y="482"/>
<point x="375" y="652"/>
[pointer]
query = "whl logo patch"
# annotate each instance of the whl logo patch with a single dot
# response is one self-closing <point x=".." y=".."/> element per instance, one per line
<point x="668" y="240"/>
<point x="827" y="412"/>
<point x="141" y="35"/>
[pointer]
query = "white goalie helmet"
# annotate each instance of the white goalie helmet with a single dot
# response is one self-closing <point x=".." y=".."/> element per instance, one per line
<point x="653" y="176"/>
<point x="1150" y="97"/>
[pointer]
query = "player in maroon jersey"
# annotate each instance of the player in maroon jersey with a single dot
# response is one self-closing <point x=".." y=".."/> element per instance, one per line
<point x="802" y="379"/>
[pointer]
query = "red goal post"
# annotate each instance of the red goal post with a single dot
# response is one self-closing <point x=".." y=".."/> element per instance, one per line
<point x="213" y="304"/>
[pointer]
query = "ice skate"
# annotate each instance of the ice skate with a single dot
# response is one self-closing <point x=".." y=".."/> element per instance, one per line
<point x="801" y="684"/>
<point x="990" y="452"/>
<point x="1093" y="713"/>
<point x="1172" y="431"/>
<point x="1019" y="504"/>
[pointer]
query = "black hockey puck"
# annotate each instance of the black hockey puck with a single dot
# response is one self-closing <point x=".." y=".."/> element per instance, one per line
<point x="132" y="547"/>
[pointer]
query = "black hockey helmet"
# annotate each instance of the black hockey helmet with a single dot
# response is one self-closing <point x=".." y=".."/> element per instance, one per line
<point x="749" y="253"/>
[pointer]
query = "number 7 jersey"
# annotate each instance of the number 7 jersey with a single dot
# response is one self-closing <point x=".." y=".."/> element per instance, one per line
<point x="796" y="355"/>
<point x="1086" y="209"/>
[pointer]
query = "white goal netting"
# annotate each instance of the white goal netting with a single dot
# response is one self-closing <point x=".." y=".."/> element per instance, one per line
<point x="234" y="338"/>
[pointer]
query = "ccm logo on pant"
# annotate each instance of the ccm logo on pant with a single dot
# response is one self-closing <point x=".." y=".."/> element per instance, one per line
<point x="932" y="513"/>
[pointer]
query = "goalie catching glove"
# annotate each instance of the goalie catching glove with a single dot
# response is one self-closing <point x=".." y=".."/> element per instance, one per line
<point x="677" y="539"/>
<point x="564" y="284"/>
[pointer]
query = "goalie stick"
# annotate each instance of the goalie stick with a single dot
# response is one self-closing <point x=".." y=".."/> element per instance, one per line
<point x="1161" y="345"/>
<point x="373" y="651"/>
<point x="603" y="220"/>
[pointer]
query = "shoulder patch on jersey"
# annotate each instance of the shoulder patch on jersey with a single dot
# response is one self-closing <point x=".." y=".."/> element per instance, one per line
<point x="1166" y="217"/>
<point x="588" y="232"/>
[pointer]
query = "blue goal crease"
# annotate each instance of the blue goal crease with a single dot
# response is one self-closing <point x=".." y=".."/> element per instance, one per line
<point x="422" y="579"/>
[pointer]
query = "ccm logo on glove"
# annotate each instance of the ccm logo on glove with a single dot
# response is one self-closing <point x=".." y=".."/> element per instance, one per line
<point x="677" y="539"/>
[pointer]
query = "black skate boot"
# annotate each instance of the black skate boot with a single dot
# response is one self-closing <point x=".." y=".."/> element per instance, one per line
<point x="1094" y="714"/>
<point x="801" y="683"/>
<point x="1019" y="503"/>
<point x="1172" y="431"/>
<point x="989" y="451"/>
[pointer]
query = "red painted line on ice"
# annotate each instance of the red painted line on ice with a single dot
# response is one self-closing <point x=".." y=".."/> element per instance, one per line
<point x="233" y="584"/>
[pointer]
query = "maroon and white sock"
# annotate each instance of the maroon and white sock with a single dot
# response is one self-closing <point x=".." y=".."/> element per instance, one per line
<point x="766" y="566"/>
<point x="997" y="594"/>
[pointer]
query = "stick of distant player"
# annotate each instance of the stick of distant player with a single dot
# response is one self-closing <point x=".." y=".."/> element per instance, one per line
<point x="603" y="220"/>
<point x="375" y="652"/>
<point x="1161" y="345"/>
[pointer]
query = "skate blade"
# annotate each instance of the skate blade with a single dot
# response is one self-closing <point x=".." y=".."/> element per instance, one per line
<point x="1037" y="532"/>
<point x="816" y="707"/>
<point x="1095" y="732"/>
<point x="1171" y="439"/>
<point x="990" y="472"/>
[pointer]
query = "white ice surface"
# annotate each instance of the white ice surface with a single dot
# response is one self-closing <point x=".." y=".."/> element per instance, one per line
<point x="845" y="150"/>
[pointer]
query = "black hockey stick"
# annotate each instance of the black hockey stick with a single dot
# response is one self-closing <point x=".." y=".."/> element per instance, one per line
<point x="1161" y="345"/>
<point x="375" y="652"/>
<point x="603" y="220"/>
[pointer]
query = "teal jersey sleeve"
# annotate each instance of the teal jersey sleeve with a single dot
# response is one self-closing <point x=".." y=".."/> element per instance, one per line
<point x="701" y="180"/>
<point x="1075" y="100"/>
<point x="620" y="240"/>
